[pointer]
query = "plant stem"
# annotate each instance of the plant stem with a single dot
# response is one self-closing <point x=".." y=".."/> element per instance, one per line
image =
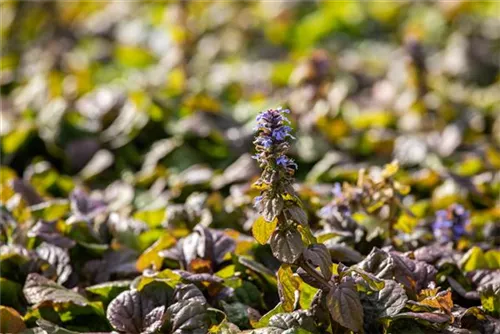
<point x="325" y="286"/>
<point x="282" y="220"/>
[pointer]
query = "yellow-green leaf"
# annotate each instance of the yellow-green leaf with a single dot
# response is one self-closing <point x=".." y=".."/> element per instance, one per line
<point x="390" y="169"/>
<point x="492" y="257"/>
<point x="474" y="259"/>
<point x="150" y="257"/>
<point x="50" y="210"/>
<point x="307" y="294"/>
<point x="263" y="229"/>
<point x="153" y="218"/>
<point x="12" y="141"/>
<point x="406" y="223"/>
<point x="287" y="285"/>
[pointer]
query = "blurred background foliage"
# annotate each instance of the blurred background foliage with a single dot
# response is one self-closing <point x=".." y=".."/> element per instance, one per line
<point x="125" y="124"/>
<point x="163" y="94"/>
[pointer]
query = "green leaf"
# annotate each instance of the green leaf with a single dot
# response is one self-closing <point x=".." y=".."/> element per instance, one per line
<point x="7" y="175"/>
<point x="166" y="276"/>
<point x="345" y="306"/>
<point x="11" y="293"/>
<point x="150" y="257"/>
<point x="264" y="320"/>
<point x="476" y="259"/>
<point x="109" y="290"/>
<point x="246" y="292"/>
<point x="225" y="327"/>
<point x="326" y="236"/>
<point x="237" y="313"/>
<point x="262" y="229"/>
<point x="492" y="257"/>
<point x="306" y="296"/>
<point x="15" y="139"/>
<point x="406" y="223"/>
<point x="153" y="218"/>
<point x="132" y="56"/>
<point x="490" y="298"/>
<point x="227" y="271"/>
<point x="259" y="268"/>
<point x="373" y="281"/>
<point x="51" y="210"/>
<point x="287" y="285"/>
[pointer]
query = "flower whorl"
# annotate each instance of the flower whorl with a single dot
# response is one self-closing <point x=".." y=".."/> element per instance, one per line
<point x="271" y="144"/>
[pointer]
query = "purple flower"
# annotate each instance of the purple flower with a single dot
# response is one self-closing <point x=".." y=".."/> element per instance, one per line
<point x="337" y="190"/>
<point x="281" y="133"/>
<point x="450" y="224"/>
<point x="264" y="141"/>
<point x="273" y="119"/>
<point x="326" y="211"/>
<point x="286" y="162"/>
<point x="270" y="143"/>
<point x="338" y="205"/>
<point x="260" y="157"/>
<point x="459" y="230"/>
<point x="282" y="161"/>
<point x="257" y="200"/>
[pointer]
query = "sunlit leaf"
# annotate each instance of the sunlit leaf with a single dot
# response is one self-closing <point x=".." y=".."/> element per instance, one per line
<point x="262" y="229"/>
<point x="287" y="286"/>
<point x="150" y="257"/>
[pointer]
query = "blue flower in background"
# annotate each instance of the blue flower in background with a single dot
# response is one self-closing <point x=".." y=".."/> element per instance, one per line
<point x="338" y="205"/>
<point x="450" y="224"/>
<point x="337" y="190"/>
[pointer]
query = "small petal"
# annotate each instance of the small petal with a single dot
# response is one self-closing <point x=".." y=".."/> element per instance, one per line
<point x="337" y="190"/>
<point x="282" y="161"/>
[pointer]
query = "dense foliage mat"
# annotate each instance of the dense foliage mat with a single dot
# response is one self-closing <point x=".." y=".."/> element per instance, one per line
<point x="151" y="184"/>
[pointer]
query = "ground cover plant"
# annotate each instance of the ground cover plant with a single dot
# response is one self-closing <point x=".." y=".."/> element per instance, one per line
<point x="250" y="167"/>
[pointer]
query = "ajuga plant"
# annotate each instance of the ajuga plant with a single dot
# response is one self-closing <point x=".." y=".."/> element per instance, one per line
<point x="283" y="223"/>
<point x="377" y="195"/>
<point x="283" y="220"/>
